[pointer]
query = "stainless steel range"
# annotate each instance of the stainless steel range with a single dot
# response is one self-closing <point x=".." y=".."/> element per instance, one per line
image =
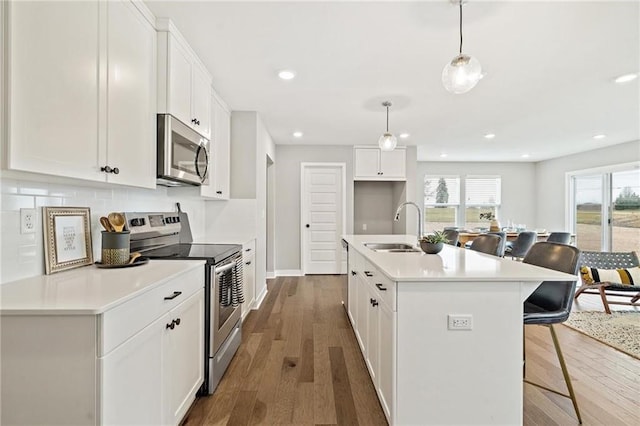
<point x="168" y="236"/>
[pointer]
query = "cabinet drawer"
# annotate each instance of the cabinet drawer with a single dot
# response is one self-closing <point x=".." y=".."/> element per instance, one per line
<point x="384" y="287"/>
<point x="122" y="322"/>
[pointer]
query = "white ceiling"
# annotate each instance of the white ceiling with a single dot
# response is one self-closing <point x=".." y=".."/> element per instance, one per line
<point x="548" y="87"/>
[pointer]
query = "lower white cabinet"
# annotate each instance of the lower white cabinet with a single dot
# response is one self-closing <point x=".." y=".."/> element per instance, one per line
<point x="373" y="316"/>
<point x="140" y="362"/>
<point x="249" y="275"/>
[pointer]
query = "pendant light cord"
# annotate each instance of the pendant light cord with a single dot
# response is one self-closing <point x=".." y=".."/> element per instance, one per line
<point x="461" y="27"/>
<point x="387" y="119"/>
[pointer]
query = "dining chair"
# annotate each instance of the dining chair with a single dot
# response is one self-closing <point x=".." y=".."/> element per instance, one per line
<point x="503" y="241"/>
<point x="522" y="244"/>
<point x="551" y="302"/>
<point x="559" y="237"/>
<point x="487" y="243"/>
<point x="452" y="235"/>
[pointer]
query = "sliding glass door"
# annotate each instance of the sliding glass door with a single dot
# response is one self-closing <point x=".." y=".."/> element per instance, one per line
<point x="606" y="210"/>
<point x="625" y="210"/>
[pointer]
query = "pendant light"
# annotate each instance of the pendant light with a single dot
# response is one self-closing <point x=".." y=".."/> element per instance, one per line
<point x="464" y="71"/>
<point x="387" y="141"/>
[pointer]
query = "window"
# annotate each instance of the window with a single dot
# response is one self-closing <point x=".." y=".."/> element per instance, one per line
<point x="448" y="203"/>
<point x="441" y="202"/>
<point x="482" y="195"/>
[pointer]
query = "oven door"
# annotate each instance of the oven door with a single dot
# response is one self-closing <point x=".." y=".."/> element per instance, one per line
<point x="224" y="315"/>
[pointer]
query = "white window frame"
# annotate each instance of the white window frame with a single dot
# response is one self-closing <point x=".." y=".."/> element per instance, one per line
<point x="457" y="205"/>
<point x="463" y="195"/>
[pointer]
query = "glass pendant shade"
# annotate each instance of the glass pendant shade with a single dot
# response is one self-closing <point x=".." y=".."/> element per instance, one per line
<point x="461" y="74"/>
<point x="387" y="142"/>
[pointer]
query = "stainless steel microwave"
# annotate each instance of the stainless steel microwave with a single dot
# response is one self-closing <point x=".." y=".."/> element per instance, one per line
<point x="183" y="155"/>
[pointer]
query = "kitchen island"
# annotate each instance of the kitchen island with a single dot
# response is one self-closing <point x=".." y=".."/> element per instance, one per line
<point x="441" y="334"/>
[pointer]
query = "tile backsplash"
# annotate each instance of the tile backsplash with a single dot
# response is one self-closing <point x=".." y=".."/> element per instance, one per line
<point x="22" y="255"/>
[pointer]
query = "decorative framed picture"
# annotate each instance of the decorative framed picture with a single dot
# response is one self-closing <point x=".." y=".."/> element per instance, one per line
<point x="67" y="238"/>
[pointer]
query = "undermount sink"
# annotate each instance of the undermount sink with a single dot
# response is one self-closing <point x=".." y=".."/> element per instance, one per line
<point x="392" y="247"/>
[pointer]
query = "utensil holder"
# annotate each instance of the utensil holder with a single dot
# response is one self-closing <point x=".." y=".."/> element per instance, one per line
<point x="115" y="248"/>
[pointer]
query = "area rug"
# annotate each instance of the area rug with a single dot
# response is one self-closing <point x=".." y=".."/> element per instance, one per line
<point x="620" y="330"/>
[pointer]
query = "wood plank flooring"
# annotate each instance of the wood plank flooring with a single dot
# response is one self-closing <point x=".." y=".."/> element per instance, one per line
<point x="299" y="364"/>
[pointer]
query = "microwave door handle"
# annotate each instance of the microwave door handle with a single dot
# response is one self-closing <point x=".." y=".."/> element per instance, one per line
<point x="203" y="175"/>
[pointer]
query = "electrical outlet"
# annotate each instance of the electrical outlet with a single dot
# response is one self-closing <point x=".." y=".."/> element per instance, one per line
<point x="27" y="221"/>
<point x="364" y="226"/>
<point x="460" y="322"/>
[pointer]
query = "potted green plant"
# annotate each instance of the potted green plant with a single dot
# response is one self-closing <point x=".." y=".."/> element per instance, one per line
<point x="433" y="243"/>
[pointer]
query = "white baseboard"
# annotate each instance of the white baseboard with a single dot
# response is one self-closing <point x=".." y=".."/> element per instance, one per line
<point x="260" y="298"/>
<point x="271" y="275"/>
<point x="289" y="273"/>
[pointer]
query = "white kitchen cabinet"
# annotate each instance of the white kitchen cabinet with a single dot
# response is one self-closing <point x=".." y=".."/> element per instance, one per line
<point x="372" y="344"/>
<point x="374" y="164"/>
<point x="125" y="365"/>
<point x="386" y="357"/>
<point x="249" y="275"/>
<point x="183" y="349"/>
<point x="80" y="92"/>
<point x="184" y="84"/>
<point x="220" y="156"/>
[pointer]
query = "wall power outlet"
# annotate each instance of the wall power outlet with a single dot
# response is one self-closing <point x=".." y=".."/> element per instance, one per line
<point x="460" y="322"/>
<point x="27" y="221"/>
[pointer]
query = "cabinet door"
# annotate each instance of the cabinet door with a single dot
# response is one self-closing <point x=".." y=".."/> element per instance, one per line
<point x="362" y="307"/>
<point x="223" y="155"/>
<point x="248" y="276"/>
<point x="131" y="91"/>
<point x="183" y="348"/>
<point x="53" y="107"/>
<point x="386" y="342"/>
<point x="132" y="380"/>
<point x="179" y="81"/>
<point x="201" y="100"/>
<point x="393" y="164"/>
<point x="373" y="307"/>
<point x="366" y="163"/>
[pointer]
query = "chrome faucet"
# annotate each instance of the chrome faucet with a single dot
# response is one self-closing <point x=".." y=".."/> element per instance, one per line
<point x="420" y="218"/>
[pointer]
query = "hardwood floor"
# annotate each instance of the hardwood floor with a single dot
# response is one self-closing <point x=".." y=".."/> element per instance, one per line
<point x="299" y="364"/>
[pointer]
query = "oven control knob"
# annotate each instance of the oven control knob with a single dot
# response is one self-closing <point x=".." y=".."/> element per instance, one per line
<point x="137" y="221"/>
<point x="168" y="220"/>
<point x="177" y="219"/>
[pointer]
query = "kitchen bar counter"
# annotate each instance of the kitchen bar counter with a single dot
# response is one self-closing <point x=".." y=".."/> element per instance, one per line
<point x="87" y="290"/>
<point x="441" y="334"/>
<point x="451" y="264"/>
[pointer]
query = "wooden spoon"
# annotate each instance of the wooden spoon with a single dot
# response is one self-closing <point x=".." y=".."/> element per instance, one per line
<point x="105" y="224"/>
<point x="117" y="221"/>
<point x="134" y="256"/>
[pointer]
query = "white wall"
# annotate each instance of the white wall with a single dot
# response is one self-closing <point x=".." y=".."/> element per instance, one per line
<point x="22" y="255"/>
<point x="551" y="180"/>
<point x="518" y="185"/>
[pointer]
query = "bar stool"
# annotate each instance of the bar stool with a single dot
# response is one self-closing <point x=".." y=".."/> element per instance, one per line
<point x="522" y="244"/>
<point x="487" y="243"/>
<point x="551" y="302"/>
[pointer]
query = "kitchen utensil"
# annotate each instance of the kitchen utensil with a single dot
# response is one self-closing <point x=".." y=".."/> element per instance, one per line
<point x="134" y="256"/>
<point x="117" y="221"/>
<point x="105" y="224"/>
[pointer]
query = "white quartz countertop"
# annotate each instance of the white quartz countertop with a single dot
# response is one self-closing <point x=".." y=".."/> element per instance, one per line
<point x="87" y="290"/>
<point x="451" y="264"/>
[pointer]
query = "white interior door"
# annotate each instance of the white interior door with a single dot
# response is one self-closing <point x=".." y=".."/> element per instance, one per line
<point x="322" y="218"/>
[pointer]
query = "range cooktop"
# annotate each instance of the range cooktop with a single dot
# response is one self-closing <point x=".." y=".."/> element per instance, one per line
<point x="213" y="253"/>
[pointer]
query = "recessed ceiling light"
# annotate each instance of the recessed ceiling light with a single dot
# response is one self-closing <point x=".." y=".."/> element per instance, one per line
<point x="286" y="74"/>
<point x="626" y="78"/>
<point x="600" y="136"/>
<point x="489" y="136"/>
<point x="404" y="135"/>
<point x="297" y="134"/>
<point x="525" y="156"/>
<point x="443" y="155"/>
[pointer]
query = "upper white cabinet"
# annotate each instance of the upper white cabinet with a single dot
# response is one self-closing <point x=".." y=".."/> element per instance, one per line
<point x="374" y="164"/>
<point x="184" y="84"/>
<point x="81" y="94"/>
<point x="220" y="156"/>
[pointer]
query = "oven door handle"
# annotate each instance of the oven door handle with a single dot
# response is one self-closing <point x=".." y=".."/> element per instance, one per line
<point x="224" y="268"/>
